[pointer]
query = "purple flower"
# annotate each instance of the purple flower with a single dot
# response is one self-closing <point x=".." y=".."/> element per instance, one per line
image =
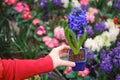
<point x="106" y="66"/>
<point x="118" y="77"/>
<point x="103" y="54"/>
<point x="43" y="3"/>
<point x="100" y="26"/>
<point x="85" y="8"/>
<point x="57" y="2"/>
<point x="90" y="55"/>
<point x="116" y="58"/>
<point x="77" y="21"/>
<point x="89" y="30"/>
<point x="106" y="61"/>
<point x="118" y="44"/>
<point x="116" y="4"/>
<point x="90" y="79"/>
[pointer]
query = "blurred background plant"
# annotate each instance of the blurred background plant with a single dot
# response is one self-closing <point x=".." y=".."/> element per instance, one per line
<point x="30" y="29"/>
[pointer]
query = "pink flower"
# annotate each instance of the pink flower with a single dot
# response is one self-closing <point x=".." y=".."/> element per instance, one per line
<point x="40" y="31"/>
<point x="46" y="38"/>
<point x="10" y="2"/>
<point x="63" y="43"/>
<point x="55" y="42"/>
<point x="20" y="7"/>
<point x="26" y="15"/>
<point x="84" y="2"/>
<point x="90" y="18"/>
<point x="91" y="14"/>
<point x="50" y="42"/>
<point x="36" y="21"/>
<point x="84" y="73"/>
<point x="26" y="7"/>
<point x="93" y="11"/>
<point x="67" y="70"/>
<point x="59" y="33"/>
<point x="50" y="45"/>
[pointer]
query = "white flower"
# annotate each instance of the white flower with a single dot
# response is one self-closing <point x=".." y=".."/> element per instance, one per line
<point x="88" y="43"/>
<point x="106" y="38"/>
<point x="95" y="46"/>
<point x="99" y="41"/>
<point x="91" y="44"/>
<point x="75" y="3"/>
<point x="65" y="3"/>
<point x="109" y="24"/>
<point x="110" y="3"/>
<point x="114" y="32"/>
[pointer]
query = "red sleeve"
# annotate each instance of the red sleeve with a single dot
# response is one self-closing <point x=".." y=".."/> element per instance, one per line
<point x="21" y="69"/>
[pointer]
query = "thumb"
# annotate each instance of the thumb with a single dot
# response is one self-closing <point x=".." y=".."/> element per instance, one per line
<point x="67" y="63"/>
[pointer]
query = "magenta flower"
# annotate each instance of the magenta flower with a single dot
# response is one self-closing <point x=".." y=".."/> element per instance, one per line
<point x="59" y="33"/>
<point x="20" y="7"/>
<point x="40" y="31"/>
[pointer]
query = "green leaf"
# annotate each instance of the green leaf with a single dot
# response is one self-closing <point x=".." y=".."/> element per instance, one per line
<point x="37" y="37"/>
<point x="61" y="68"/>
<point x="45" y="77"/>
<point x="81" y="40"/>
<point x="71" y="75"/>
<point x="68" y="39"/>
<point x="87" y="78"/>
<point x="73" y="41"/>
<point x="73" y="38"/>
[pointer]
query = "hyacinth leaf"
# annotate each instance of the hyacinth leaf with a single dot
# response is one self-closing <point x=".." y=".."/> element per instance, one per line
<point x="81" y="40"/>
<point x="65" y="24"/>
<point x="67" y="34"/>
<point x="68" y="37"/>
<point x="73" y="38"/>
<point x="73" y="41"/>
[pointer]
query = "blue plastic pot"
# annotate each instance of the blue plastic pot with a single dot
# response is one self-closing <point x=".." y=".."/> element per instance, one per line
<point x="80" y="65"/>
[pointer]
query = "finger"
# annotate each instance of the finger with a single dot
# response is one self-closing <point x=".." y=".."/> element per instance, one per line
<point x="63" y="47"/>
<point x="63" y="54"/>
<point x="67" y="63"/>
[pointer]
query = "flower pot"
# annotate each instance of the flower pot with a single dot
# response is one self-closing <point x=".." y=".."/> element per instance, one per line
<point x="80" y="59"/>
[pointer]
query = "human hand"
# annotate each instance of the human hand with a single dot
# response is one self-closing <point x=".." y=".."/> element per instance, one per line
<point x="57" y="53"/>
